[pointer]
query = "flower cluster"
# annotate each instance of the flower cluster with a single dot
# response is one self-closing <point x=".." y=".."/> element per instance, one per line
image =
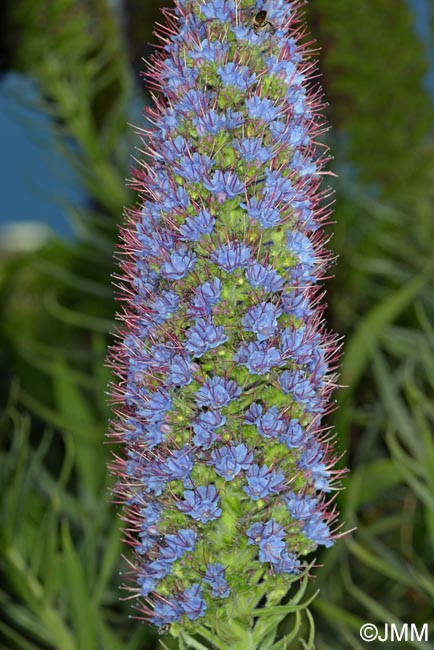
<point x="225" y="368"/>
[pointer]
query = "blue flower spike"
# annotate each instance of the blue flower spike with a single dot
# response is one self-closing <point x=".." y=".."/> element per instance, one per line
<point x="226" y="469"/>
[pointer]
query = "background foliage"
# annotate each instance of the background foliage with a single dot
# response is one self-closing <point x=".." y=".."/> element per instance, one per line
<point x="59" y="535"/>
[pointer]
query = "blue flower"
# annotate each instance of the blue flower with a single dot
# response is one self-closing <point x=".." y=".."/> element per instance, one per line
<point x="201" y="503"/>
<point x="176" y="545"/>
<point x="297" y="98"/>
<point x="251" y="149"/>
<point x="262" y="109"/>
<point x="258" y="357"/>
<point x="304" y="165"/>
<point x="229" y="461"/>
<point x="317" y="531"/>
<point x="208" y="50"/>
<point x="194" y="227"/>
<point x="298" y="133"/>
<point x="166" y="611"/>
<point x="246" y="33"/>
<point x="194" y="169"/>
<point x="222" y="10"/>
<point x="262" y="320"/>
<point x="172" y="150"/>
<point x="257" y="275"/>
<point x="225" y="185"/>
<point x="154" y="477"/>
<point x="176" y="77"/>
<point x="234" y="119"/>
<point x="206" y="295"/>
<point x="168" y="123"/>
<point x="300" y="388"/>
<point x="192" y="603"/>
<point x="204" y="427"/>
<point x="147" y="584"/>
<point x="154" y="433"/>
<point x="277" y="187"/>
<point x="217" y="392"/>
<point x="253" y="413"/>
<point x="301" y="246"/>
<point x="151" y="513"/>
<point x="155" y="404"/>
<point x="269" y="537"/>
<point x="181" y="373"/>
<point x="288" y="70"/>
<point x="311" y="459"/>
<point x="165" y="305"/>
<point x="203" y="336"/>
<point x="231" y="256"/>
<point x="179" y="465"/>
<point x="296" y="304"/>
<point x="294" y="436"/>
<point x="179" y="264"/>
<point x="215" y="577"/>
<point x="210" y="122"/>
<point x="287" y="563"/>
<point x="192" y="101"/>
<point x="262" y="482"/>
<point x="239" y="76"/>
<point x="161" y="354"/>
<point x="301" y="506"/>
<point x="271" y="424"/>
<point x="263" y="211"/>
<point x="159" y="568"/>
<point x="297" y="344"/>
<point x="264" y="276"/>
<point x="210" y="291"/>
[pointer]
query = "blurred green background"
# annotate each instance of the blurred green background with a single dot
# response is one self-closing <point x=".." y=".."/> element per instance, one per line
<point x="70" y="84"/>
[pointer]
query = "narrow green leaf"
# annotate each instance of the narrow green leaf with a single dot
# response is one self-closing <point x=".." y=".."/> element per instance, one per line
<point x="336" y="614"/>
<point x="32" y="592"/>
<point x="67" y="277"/>
<point x="109" y="562"/>
<point x="77" y="319"/>
<point x="107" y="637"/>
<point x="310" y="644"/>
<point x="369" y="482"/>
<point x="373" y="560"/>
<point x="285" y="643"/>
<point x="372" y="327"/>
<point x="72" y="406"/>
<point x="17" y="639"/>
<point x="396" y="407"/>
<point x="193" y="643"/>
<point x="81" y="609"/>
<point x="209" y="636"/>
<point x="283" y="609"/>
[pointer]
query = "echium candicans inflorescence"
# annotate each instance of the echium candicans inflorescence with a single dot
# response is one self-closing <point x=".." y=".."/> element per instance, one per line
<point x="225" y="365"/>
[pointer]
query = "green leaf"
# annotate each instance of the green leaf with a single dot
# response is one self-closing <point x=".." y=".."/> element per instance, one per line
<point x="369" y="482"/>
<point x="193" y="643"/>
<point x="310" y="643"/>
<point x="17" y="639"/>
<point x="75" y="409"/>
<point x="32" y="593"/>
<point x="338" y="615"/>
<point x="109" y="562"/>
<point x="81" y="607"/>
<point x="285" y="643"/>
<point x="283" y="609"/>
<point x="360" y="346"/>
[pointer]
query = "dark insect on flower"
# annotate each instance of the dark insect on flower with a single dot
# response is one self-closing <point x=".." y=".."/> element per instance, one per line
<point x="260" y="23"/>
